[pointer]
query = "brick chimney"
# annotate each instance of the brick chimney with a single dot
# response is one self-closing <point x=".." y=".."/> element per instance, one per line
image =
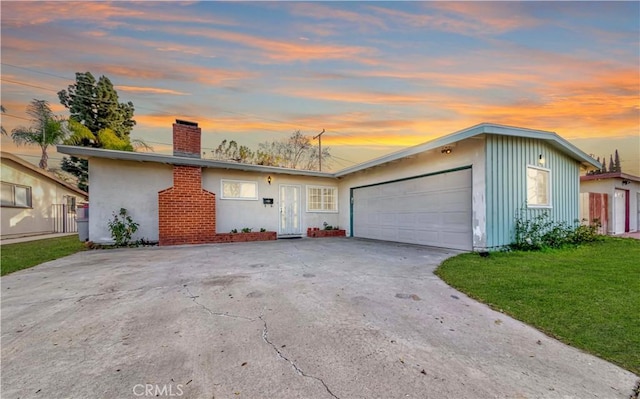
<point x="186" y="211"/>
<point x="186" y="139"/>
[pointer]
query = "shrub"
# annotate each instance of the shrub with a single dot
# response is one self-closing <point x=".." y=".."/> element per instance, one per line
<point x="122" y="227"/>
<point x="234" y="231"/>
<point x="262" y="230"/>
<point x="586" y="232"/>
<point x="540" y="232"/>
<point x="246" y="230"/>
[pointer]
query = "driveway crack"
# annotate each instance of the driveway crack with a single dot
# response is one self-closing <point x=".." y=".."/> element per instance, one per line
<point x="194" y="298"/>
<point x="265" y="338"/>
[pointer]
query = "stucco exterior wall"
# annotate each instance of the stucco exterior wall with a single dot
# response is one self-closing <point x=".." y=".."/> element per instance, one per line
<point x="469" y="152"/>
<point x="507" y="162"/>
<point x="608" y="186"/>
<point x="238" y="214"/>
<point x="44" y="192"/>
<point x="135" y="186"/>
<point x="130" y="185"/>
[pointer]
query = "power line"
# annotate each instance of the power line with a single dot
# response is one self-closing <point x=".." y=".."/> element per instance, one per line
<point x="16" y="116"/>
<point x="35" y="71"/>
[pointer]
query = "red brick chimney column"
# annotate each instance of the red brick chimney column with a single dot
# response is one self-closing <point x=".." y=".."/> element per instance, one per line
<point x="186" y="139"/>
<point x="187" y="212"/>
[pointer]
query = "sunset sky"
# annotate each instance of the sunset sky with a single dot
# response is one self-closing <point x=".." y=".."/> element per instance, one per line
<point x="377" y="76"/>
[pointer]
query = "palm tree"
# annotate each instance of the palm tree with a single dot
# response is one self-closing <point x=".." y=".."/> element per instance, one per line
<point x="46" y="129"/>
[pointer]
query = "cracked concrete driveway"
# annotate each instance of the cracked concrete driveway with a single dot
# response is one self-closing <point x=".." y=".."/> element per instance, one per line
<point x="326" y="318"/>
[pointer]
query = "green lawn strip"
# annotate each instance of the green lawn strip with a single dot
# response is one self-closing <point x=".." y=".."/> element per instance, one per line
<point x="586" y="296"/>
<point x="23" y="255"/>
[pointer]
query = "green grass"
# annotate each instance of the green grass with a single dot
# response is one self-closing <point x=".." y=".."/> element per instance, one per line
<point x="586" y="296"/>
<point x="23" y="255"/>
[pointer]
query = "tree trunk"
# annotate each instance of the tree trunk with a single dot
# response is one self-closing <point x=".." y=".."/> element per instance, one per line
<point x="44" y="159"/>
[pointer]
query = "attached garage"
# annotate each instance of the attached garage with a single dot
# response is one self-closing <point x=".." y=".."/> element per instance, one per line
<point x="432" y="210"/>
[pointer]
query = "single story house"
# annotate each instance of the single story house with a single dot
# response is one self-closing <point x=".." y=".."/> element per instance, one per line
<point x="612" y="198"/>
<point x="460" y="191"/>
<point x="34" y="201"/>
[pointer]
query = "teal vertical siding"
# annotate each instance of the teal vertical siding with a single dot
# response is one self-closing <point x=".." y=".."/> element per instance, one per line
<point x="506" y="184"/>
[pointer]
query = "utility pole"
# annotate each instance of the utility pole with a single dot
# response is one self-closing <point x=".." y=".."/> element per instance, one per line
<point x="319" y="137"/>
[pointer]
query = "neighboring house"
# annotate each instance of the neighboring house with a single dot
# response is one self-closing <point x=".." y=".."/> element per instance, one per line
<point x="460" y="191"/>
<point x="34" y="201"/>
<point x="612" y="198"/>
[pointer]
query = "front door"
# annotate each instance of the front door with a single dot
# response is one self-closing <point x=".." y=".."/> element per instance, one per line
<point x="619" y="211"/>
<point x="290" y="210"/>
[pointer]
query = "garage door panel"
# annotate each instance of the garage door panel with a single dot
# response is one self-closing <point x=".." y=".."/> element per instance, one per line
<point x="406" y="220"/>
<point x="431" y="210"/>
<point x="460" y="220"/>
<point x="427" y="219"/>
<point x="421" y="236"/>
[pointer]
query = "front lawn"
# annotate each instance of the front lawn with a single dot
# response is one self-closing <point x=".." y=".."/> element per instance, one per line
<point x="586" y="296"/>
<point x="14" y="257"/>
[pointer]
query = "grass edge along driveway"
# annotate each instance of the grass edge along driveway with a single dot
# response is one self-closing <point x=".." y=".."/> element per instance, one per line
<point x="586" y="296"/>
<point x="23" y="255"/>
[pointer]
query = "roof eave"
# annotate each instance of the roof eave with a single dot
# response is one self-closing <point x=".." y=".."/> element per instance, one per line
<point x="43" y="173"/>
<point x="86" y="152"/>
<point x="482" y="128"/>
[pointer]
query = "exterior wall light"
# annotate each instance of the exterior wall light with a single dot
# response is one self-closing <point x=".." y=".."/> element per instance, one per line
<point x="541" y="159"/>
<point x="269" y="180"/>
<point x="446" y="150"/>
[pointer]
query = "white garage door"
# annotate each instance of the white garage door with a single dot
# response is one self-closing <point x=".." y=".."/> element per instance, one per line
<point x="433" y="210"/>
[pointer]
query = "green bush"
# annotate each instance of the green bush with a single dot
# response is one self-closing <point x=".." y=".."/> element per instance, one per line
<point x="122" y="227"/>
<point x="538" y="232"/>
<point x="246" y="230"/>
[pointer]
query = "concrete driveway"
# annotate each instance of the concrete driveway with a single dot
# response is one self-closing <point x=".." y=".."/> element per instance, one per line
<point x="325" y="318"/>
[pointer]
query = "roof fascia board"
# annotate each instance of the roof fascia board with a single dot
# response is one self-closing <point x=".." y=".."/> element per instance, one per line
<point x="483" y="128"/>
<point x="87" y="152"/>
<point x="42" y="173"/>
<point x="557" y="141"/>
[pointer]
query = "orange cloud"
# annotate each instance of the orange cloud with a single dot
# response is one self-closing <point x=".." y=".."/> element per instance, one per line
<point x="281" y="50"/>
<point x="105" y="14"/>
<point x="480" y="18"/>
<point x="320" y="11"/>
<point x="150" y="90"/>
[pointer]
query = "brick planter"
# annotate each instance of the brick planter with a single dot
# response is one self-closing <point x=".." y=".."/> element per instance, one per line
<point x="245" y="237"/>
<point x="325" y="233"/>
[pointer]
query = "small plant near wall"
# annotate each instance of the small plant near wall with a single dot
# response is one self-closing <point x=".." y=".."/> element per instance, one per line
<point x="540" y="231"/>
<point x="262" y="230"/>
<point x="246" y="230"/>
<point x="122" y="228"/>
<point x="234" y="231"/>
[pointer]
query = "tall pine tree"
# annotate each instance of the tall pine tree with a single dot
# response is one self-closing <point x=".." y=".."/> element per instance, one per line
<point x="95" y="106"/>
<point x="611" y="166"/>
<point x="616" y="162"/>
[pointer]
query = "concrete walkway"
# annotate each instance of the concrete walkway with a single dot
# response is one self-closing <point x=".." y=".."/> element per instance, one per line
<point x="6" y="241"/>
<point x="310" y="318"/>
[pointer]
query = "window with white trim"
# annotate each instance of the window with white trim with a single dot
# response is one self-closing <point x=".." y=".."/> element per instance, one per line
<point x="239" y="190"/>
<point x="16" y="195"/>
<point x="538" y="187"/>
<point x="322" y="199"/>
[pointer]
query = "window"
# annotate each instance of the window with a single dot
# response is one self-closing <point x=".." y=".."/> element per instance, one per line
<point x="538" y="187"/>
<point x="240" y="190"/>
<point x="71" y="204"/>
<point x="322" y="199"/>
<point x="15" y="195"/>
